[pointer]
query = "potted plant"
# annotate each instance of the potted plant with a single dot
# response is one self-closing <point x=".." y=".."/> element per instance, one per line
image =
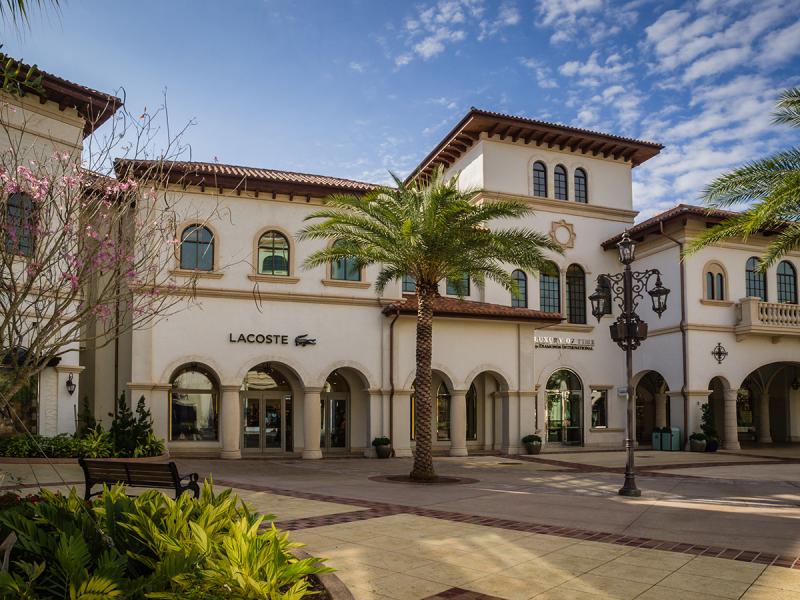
<point x="697" y="442"/>
<point x="708" y="426"/>
<point x="383" y="447"/>
<point x="533" y="443"/>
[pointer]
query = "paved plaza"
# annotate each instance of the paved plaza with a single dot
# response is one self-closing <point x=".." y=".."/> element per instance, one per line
<point x="548" y="527"/>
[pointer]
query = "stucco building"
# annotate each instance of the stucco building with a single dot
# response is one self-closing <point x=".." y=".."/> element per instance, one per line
<point x="268" y="358"/>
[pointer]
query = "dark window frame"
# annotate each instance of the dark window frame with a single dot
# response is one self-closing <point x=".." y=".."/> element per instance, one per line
<point x="20" y="222"/>
<point x="755" y="280"/>
<point x="576" y="294"/>
<point x="787" y="283"/>
<point x="581" y="185"/>
<point x="194" y="250"/>
<point x="539" y="179"/>
<point x="519" y="299"/>
<point x="213" y="391"/>
<point x="550" y="289"/>
<point x="266" y="242"/>
<point x="560" y="183"/>
<point x="452" y="290"/>
<point x="409" y="284"/>
<point x="345" y="269"/>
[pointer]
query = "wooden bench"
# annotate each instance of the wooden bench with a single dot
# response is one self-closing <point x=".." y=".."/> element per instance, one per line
<point x="97" y="471"/>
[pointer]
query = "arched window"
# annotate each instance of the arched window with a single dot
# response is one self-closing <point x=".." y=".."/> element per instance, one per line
<point x="197" y="249"/>
<point x="194" y="405"/>
<point x="550" y="288"/>
<point x="20" y="225"/>
<point x="755" y="280"/>
<point x="576" y="295"/>
<point x="715" y="282"/>
<point x="581" y="189"/>
<point x="409" y="284"/>
<point x="519" y="297"/>
<point x="787" y="283"/>
<point x="345" y="269"/>
<point x="560" y="182"/>
<point x="273" y="254"/>
<point x="539" y="179"/>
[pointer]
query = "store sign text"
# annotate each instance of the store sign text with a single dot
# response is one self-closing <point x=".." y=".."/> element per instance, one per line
<point x="568" y="343"/>
<point x="270" y="338"/>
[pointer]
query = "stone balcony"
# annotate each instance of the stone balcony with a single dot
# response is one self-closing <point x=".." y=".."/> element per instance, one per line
<point x="755" y="317"/>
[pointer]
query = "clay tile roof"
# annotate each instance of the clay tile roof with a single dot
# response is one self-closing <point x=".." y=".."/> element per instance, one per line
<point x="478" y="121"/>
<point x="93" y="106"/>
<point x="454" y="307"/>
<point x="652" y="224"/>
<point x="249" y="178"/>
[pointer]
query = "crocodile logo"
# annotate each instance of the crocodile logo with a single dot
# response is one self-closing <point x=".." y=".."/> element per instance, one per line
<point x="304" y="340"/>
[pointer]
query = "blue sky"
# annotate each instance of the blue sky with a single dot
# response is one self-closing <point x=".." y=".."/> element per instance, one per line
<point x="354" y="88"/>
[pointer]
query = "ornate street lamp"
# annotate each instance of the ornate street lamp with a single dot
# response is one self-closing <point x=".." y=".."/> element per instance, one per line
<point x="628" y="330"/>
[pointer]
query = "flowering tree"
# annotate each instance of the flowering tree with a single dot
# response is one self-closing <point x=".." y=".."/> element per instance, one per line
<point x="84" y="256"/>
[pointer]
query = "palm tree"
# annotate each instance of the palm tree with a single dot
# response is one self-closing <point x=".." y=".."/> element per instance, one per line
<point x="430" y="232"/>
<point x="770" y="185"/>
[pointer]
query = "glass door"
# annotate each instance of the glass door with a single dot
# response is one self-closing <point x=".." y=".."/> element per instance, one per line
<point x="264" y="415"/>
<point x="333" y="425"/>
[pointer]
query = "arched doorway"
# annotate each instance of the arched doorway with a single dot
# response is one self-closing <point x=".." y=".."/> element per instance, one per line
<point x="334" y="405"/>
<point x="267" y="410"/>
<point x="564" y="408"/>
<point x="768" y="399"/>
<point x="652" y="406"/>
<point x="440" y="413"/>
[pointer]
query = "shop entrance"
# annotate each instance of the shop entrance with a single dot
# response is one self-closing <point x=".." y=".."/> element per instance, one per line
<point x="266" y="400"/>
<point x="335" y="408"/>
<point x="565" y="408"/>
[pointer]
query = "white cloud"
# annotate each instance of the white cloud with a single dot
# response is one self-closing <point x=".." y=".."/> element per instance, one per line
<point x="565" y="12"/>
<point x="593" y="72"/>
<point x="544" y="76"/>
<point x="780" y="46"/>
<point x="716" y="63"/>
<point x="357" y="66"/>
<point x="507" y="16"/>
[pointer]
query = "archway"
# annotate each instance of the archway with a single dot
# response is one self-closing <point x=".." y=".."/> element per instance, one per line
<point x="564" y="408"/>
<point x="652" y="405"/>
<point x="268" y="409"/>
<point x="768" y="399"/>
<point x="442" y="388"/>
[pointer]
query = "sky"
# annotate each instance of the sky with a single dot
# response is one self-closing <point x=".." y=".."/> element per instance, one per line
<point x="358" y="88"/>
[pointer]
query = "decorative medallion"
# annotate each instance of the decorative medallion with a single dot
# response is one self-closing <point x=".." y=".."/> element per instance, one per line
<point x="563" y="233"/>
<point x="719" y="353"/>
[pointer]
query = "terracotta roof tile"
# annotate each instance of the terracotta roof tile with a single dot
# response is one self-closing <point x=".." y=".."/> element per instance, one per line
<point x="212" y="174"/>
<point x="454" y="307"/>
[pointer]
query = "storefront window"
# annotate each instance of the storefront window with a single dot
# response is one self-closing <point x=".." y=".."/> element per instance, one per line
<point x="194" y="406"/>
<point x="564" y="407"/>
<point x="442" y="414"/>
<point x="22" y="411"/>
<point x="273" y="254"/>
<point x="599" y="408"/>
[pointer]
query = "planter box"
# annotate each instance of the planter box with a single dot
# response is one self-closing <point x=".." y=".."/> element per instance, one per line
<point x="383" y="451"/>
<point x="657" y="440"/>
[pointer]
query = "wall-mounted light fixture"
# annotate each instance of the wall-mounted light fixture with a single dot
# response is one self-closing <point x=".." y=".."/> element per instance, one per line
<point x="71" y="387"/>
<point x="795" y="383"/>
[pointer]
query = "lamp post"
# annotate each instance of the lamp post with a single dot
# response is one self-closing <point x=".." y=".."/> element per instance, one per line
<point x="628" y="330"/>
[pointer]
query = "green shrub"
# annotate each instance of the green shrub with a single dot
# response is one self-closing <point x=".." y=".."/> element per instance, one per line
<point x="130" y="433"/>
<point x="532" y="438"/>
<point x="151" y="446"/>
<point x="149" y="546"/>
<point x="381" y="441"/>
<point x="96" y="444"/>
<point x="707" y="423"/>
<point x="700" y="437"/>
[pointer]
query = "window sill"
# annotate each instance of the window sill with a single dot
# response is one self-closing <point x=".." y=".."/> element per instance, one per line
<point x="360" y="285"/>
<point x="708" y="302"/>
<point x="197" y="274"/>
<point x="574" y="327"/>
<point x="272" y="278"/>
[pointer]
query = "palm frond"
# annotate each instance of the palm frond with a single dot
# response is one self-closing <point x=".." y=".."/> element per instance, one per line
<point x="788" y="108"/>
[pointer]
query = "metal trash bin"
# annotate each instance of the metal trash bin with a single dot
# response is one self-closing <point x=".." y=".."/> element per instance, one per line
<point x="657" y="439"/>
<point x="674" y="440"/>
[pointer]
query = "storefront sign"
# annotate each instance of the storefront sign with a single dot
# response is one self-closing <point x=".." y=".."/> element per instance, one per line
<point x="545" y="341"/>
<point x="270" y="338"/>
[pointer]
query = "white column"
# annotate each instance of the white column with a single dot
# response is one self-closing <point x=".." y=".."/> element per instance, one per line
<point x="312" y="423"/>
<point x="661" y="409"/>
<point x="764" y="436"/>
<point x="458" y="423"/>
<point x="401" y="424"/>
<point x="374" y="420"/>
<point x="731" y="433"/>
<point x="511" y="436"/>
<point x="230" y="422"/>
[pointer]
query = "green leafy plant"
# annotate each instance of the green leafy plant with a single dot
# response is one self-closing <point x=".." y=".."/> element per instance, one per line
<point x="96" y="444"/>
<point x="707" y="422"/>
<point x="151" y="446"/>
<point x="381" y="441"/>
<point x="532" y="438"/>
<point x="123" y="428"/>
<point x="86" y="420"/>
<point x="700" y="437"/>
<point x="149" y="546"/>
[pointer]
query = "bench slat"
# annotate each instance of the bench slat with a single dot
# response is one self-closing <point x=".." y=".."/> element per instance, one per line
<point x="136" y="474"/>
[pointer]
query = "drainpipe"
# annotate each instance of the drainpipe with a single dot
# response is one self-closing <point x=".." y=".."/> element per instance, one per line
<point x="391" y="371"/>
<point x="684" y="331"/>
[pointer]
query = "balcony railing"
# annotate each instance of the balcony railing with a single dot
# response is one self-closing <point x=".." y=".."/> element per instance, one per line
<point x="755" y="317"/>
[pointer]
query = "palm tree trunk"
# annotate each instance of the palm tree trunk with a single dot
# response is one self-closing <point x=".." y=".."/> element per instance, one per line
<point x="423" y="458"/>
